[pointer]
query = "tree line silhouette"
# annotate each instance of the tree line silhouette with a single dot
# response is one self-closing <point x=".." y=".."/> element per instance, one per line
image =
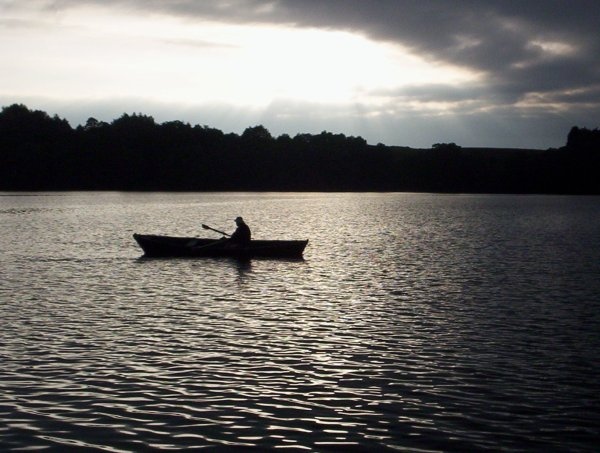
<point x="133" y="152"/>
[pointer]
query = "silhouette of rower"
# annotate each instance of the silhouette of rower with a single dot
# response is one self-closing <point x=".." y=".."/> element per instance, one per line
<point x="241" y="236"/>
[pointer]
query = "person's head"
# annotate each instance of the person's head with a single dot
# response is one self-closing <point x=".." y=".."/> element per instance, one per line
<point x="239" y="221"/>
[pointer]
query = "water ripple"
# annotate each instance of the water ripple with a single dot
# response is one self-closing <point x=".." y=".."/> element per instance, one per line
<point x="442" y="329"/>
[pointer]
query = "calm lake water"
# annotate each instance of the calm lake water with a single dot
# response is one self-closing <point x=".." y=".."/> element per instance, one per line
<point x="416" y="322"/>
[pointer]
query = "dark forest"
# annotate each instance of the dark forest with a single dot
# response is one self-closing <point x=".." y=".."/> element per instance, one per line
<point x="133" y="152"/>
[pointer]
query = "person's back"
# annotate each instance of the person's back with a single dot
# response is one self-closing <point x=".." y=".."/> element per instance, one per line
<point x="242" y="235"/>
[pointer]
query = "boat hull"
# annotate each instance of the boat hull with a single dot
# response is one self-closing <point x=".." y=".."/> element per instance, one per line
<point x="172" y="246"/>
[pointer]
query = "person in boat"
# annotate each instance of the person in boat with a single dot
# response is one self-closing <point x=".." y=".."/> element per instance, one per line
<point x="242" y="235"/>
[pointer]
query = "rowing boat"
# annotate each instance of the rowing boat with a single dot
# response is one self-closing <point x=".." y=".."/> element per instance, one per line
<point x="172" y="246"/>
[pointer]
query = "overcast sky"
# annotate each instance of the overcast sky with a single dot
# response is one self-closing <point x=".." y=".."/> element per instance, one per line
<point x="412" y="73"/>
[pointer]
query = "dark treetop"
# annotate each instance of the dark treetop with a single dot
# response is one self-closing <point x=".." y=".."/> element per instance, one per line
<point x="133" y="152"/>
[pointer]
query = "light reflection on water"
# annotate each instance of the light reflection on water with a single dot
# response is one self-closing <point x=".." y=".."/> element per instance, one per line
<point x="425" y="322"/>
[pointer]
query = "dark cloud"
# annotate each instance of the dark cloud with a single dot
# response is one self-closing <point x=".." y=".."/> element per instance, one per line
<point x="587" y="96"/>
<point x="521" y="46"/>
<point x="434" y="93"/>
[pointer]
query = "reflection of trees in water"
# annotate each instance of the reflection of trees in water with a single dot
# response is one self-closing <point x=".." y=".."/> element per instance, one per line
<point x="133" y="152"/>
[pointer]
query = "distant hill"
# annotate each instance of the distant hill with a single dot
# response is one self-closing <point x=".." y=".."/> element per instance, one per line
<point x="133" y="152"/>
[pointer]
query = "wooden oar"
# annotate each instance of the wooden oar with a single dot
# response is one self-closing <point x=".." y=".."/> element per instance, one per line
<point x="206" y="227"/>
